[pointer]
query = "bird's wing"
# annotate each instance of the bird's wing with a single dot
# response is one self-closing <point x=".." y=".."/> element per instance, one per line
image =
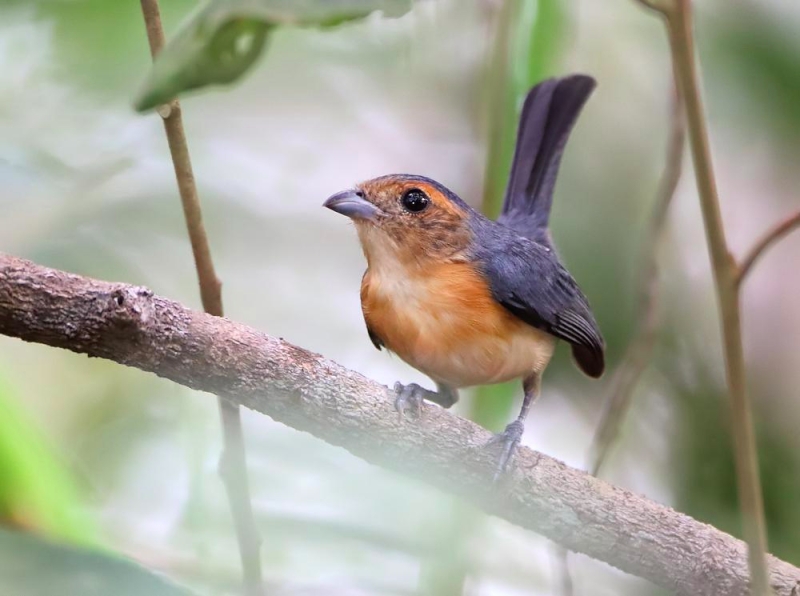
<point x="527" y="279"/>
<point x="548" y="115"/>
<point x="373" y="337"/>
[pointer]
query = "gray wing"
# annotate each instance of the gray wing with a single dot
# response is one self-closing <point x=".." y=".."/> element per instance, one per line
<point x="527" y="279"/>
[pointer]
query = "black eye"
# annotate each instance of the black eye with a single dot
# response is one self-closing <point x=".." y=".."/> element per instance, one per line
<point x="415" y="200"/>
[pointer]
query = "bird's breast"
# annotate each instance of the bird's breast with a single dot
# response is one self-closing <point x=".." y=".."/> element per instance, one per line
<point x="443" y="321"/>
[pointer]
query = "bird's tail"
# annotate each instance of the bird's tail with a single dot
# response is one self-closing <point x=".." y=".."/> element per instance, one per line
<point x="548" y="115"/>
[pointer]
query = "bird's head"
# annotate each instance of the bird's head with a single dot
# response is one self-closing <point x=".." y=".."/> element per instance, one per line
<point x="410" y="217"/>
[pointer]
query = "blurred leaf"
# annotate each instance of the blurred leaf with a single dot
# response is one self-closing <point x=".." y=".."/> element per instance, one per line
<point x="80" y="27"/>
<point x="530" y="38"/>
<point x="762" y="55"/>
<point x="222" y="40"/>
<point x="36" y="491"/>
<point x="707" y="488"/>
<point x="30" y="566"/>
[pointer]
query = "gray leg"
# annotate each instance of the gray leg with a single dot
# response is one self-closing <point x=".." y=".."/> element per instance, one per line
<point x="413" y="395"/>
<point x="511" y="436"/>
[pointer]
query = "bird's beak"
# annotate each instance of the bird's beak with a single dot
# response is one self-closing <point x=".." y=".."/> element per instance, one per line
<point x="353" y="204"/>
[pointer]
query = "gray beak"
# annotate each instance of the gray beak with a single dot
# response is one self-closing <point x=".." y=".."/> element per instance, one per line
<point x="352" y="204"/>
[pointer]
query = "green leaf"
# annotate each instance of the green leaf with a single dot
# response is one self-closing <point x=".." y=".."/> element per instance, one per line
<point x="223" y="39"/>
<point x="30" y="566"/>
<point x="706" y="482"/>
<point x="756" y="59"/>
<point x="528" y="47"/>
<point x="36" y="490"/>
<point x="529" y="40"/>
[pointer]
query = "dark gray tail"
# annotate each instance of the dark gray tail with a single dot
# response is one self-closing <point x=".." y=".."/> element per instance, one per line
<point x="550" y="110"/>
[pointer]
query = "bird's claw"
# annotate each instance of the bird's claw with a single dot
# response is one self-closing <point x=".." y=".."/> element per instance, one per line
<point x="410" y="395"/>
<point x="509" y="439"/>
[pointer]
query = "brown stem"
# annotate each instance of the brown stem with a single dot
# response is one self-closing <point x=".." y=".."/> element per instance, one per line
<point x="639" y="350"/>
<point x="500" y="103"/>
<point x="767" y="240"/>
<point x="637" y="355"/>
<point x="678" y="16"/>
<point x="233" y="464"/>
<point x="566" y="587"/>
<point x="303" y="390"/>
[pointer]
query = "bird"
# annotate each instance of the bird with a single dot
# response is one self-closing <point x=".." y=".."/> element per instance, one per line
<point x="471" y="301"/>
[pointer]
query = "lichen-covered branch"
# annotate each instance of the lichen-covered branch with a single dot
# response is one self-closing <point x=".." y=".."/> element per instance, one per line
<point x="132" y="326"/>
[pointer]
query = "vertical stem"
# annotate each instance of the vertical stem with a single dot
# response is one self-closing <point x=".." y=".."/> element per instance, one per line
<point x="680" y="27"/>
<point x="502" y="114"/>
<point x="639" y="351"/>
<point x="233" y="467"/>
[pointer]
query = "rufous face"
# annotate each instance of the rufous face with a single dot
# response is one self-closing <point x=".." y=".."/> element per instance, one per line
<point x="405" y="215"/>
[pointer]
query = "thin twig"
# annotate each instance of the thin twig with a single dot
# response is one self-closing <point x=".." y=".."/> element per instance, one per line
<point x="639" y="351"/>
<point x="767" y="240"/>
<point x="501" y="102"/>
<point x="678" y="16"/>
<point x="563" y="571"/>
<point x="303" y="390"/>
<point x="233" y="463"/>
<point x="447" y="571"/>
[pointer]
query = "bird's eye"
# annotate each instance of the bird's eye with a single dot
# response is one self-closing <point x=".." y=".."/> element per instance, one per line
<point x="414" y="200"/>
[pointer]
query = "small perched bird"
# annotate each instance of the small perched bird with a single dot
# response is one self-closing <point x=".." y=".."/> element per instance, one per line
<point x="467" y="300"/>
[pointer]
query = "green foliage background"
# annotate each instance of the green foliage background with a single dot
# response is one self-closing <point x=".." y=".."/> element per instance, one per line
<point x="95" y="456"/>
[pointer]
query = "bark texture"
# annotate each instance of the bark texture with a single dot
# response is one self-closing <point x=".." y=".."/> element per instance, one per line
<point x="132" y="326"/>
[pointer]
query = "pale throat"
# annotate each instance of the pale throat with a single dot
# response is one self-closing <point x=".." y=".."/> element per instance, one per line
<point x="395" y="272"/>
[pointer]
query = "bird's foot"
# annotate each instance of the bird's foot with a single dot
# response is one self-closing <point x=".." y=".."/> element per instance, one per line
<point x="509" y="439"/>
<point x="412" y="395"/>
<point x="409" y="396"/>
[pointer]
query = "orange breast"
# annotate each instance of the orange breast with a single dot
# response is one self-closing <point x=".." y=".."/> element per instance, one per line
<point x="443" y="321"/>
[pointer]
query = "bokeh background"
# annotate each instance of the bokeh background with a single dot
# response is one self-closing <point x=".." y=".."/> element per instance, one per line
<point x="97" y="454"/>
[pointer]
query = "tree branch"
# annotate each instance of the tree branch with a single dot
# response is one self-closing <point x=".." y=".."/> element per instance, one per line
<point x="233" y="462"/>
<point x="767" y="240"/>
<point x="131" y="326"/>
